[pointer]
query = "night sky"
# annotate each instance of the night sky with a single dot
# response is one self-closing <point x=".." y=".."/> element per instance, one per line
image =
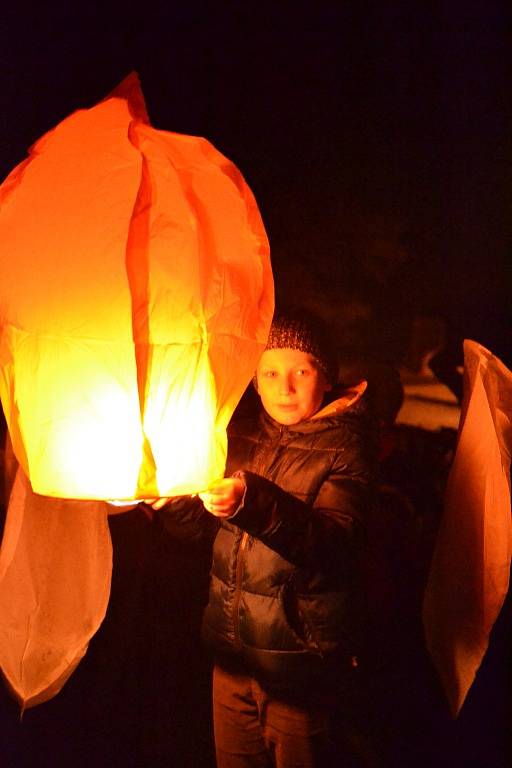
<point x="375" y="136"/>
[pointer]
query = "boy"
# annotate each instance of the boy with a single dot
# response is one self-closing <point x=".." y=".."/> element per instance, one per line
<point x="285" y="608"/>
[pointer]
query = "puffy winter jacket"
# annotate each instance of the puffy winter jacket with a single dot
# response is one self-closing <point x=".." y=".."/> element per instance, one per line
<point x="285" y="595"/>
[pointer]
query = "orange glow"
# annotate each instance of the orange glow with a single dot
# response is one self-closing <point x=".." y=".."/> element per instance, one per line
<point x="135" y="299"/>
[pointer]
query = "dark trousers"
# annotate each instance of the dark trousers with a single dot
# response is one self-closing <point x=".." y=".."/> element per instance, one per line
<point x="254" y="729"/>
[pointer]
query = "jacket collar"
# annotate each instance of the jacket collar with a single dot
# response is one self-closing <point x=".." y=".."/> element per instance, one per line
<point x="330" y="414"/>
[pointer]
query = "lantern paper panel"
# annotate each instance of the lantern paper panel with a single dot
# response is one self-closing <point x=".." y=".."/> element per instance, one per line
<point x="135" y="298"/>
<point x="469" y="575"/>
<point x="55" y="572"/>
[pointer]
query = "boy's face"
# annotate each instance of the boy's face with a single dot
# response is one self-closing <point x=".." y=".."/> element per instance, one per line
<point x="290" y="384"/>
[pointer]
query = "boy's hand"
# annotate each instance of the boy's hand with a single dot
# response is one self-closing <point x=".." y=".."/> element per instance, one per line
<point x="223" y="497"/>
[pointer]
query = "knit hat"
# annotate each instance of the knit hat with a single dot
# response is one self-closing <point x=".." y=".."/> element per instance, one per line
<point x="302" y="330"/>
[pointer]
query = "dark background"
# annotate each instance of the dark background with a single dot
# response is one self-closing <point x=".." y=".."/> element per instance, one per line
<point x="376" y="138"/>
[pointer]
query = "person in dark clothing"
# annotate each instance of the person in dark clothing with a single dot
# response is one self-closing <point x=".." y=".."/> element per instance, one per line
<point x="285" y="617"/>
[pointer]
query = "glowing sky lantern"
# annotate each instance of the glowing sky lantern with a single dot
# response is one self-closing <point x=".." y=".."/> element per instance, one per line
<point x="470" y="569"/>
<point x="135" y="298"/>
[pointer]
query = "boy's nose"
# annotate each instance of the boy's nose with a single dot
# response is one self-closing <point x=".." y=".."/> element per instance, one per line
<point x="286" y="386"/>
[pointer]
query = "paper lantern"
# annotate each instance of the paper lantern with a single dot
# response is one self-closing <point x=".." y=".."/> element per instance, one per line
<point x="135" y="298"/>
<point x="470" y="570"/>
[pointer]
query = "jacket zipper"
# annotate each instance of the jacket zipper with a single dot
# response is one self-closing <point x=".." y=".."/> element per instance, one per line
<point x="238" y="588"/>
<point x="239" y="568"/>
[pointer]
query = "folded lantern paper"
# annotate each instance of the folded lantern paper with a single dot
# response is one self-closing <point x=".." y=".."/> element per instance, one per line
<point x="55" y="574"/>
<point x="136" y="295"/>
<point x="135" y="298"/>
<point x="469" y="575"/>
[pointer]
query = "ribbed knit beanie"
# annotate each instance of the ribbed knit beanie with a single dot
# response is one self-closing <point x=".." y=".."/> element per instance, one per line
<point x="302" y="330"/>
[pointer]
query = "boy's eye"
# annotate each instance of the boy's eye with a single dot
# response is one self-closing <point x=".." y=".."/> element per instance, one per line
<point x="270" y="374"/>
<point x="302" y="371"/>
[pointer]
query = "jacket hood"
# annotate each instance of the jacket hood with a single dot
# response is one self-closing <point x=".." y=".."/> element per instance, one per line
<point x="342" y="406"/>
